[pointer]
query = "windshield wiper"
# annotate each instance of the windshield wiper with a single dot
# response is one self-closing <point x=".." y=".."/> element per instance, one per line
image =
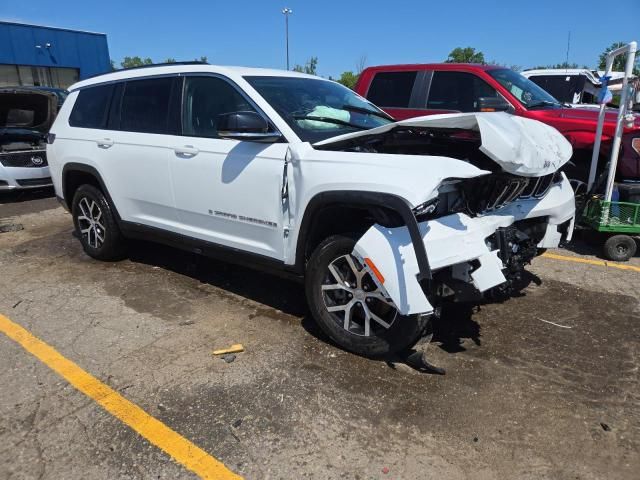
<point x="336" y="121"/>
<point x="353" y="108"/>
<point x="543" y="103"/>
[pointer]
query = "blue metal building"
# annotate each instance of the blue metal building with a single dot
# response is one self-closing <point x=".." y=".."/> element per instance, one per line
<point x="49" y="56"/>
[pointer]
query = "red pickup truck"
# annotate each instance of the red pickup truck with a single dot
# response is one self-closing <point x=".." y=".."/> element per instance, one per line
<point x="405" y="91"/>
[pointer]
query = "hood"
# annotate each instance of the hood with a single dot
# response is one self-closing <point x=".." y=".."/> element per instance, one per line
<point x="520" y="146"/>
<point x="26" y="110"/>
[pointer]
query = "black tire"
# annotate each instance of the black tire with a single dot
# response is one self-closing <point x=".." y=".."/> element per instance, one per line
<point x="619" y="248"/>
<point x="403" y="332"/>
<point x="112" y="246"/>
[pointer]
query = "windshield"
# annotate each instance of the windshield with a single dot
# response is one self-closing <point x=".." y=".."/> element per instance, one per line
<point x="526" y="92"/>
<point x="318" y="109"/>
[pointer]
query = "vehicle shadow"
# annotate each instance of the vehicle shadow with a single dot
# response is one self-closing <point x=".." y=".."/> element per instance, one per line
<point x="276" y="292"/>
<point x="17" y="196"/>
<point x="20" y="202"/>
<point x="455" y="325"/>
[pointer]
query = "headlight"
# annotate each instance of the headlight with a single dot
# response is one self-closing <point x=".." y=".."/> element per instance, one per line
<point x="635" y="144"/>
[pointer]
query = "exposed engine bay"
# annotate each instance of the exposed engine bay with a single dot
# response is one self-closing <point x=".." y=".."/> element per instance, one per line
<point x="25" y="118"/>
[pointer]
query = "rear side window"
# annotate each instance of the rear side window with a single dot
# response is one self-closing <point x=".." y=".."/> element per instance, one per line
<point x="91" y="107"/>
<point x="392" y="89"/>
<point x="457" y="91"/>
<point x="145" y="105"/>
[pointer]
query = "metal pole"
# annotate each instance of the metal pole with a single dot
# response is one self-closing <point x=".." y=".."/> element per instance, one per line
<point x="631" y="49"/>
<point x="287" y="12"/>
<point x="286" y="21"/>
<point x="617" y="138"/>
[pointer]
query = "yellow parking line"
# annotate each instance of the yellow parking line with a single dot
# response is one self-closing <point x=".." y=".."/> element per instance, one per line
<point x="156" y="432"/>
<point x="601" y="263"/>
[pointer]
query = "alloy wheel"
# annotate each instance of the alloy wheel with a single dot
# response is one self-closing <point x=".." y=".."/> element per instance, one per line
<point x="90" y="222"/>
<point x="354" y="300"/>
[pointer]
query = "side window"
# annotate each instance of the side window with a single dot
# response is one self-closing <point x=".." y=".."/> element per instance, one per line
<point x="91" y="107"/>
<point x="392" y="89"/>
<point x="145" y="105"/>
<point x="457" y="91"/>
<point x="205" y="99"/>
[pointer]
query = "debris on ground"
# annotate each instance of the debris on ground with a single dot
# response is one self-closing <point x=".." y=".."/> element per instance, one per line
<point x="235" y="348"/>
<point x="605" y="427"/>
<point x="229" y="357"/>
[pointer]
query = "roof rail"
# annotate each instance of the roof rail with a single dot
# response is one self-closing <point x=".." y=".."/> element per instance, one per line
<point x="167" y="64"/>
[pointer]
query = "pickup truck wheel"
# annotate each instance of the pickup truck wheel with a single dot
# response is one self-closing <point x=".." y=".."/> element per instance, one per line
<point x="350" y="308"/>
<point x="96" y="225"/>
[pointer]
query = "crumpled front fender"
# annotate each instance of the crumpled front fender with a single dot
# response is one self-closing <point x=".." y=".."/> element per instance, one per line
<point x="454" y="240"/>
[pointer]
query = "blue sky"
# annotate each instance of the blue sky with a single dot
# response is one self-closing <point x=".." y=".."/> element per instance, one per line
<point x="339" y="33"/>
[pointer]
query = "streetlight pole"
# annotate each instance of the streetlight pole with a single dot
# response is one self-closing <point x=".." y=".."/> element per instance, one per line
<point x="286" y="12"/>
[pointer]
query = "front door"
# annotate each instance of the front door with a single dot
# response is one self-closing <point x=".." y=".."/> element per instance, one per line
<point x="226" y="191"/>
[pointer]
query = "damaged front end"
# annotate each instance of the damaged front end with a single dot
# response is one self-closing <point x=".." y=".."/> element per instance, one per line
<point x="473" y="235"/>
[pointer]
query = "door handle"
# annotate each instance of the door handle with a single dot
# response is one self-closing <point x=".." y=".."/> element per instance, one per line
<point x="187" y="151"/>
<point x="105" y="143"/>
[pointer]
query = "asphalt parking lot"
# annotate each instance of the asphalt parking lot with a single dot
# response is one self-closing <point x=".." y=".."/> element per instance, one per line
<point x="543" y="386"/>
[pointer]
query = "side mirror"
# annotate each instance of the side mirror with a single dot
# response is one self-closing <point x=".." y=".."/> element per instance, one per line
<point x="249" y="126"/>
<point x="492" y="104"/>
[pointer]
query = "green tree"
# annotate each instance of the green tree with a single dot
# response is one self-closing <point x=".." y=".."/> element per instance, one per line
<point x="130" y="62"/>
<point x="310" y="67"/>
<point x="202" y="59"/>
<point x="620" y="62"/>
<point x="348" y="79"/>
<point x="465" y="55"/>
<point x="170" y="60"/>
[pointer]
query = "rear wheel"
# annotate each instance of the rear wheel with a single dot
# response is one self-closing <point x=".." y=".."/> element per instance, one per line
<point x="620" y="248"/>
<point x="96" y="224"/>
<point x="350" y="308"/>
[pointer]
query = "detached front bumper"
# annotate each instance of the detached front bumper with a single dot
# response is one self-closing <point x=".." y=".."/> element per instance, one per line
<point x="456" y="240"/>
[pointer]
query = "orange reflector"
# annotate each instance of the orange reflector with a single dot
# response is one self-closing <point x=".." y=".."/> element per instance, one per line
<point x="487" y="109"/>
<point x="374" y="269"/>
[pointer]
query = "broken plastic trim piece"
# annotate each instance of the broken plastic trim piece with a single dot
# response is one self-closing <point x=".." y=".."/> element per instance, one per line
<point x="424" y="275"/>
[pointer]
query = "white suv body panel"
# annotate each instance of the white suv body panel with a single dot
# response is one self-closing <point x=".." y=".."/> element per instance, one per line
<point x="253" y="196"/>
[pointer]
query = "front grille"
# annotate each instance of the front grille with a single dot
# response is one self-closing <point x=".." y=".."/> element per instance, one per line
<point x="34" y="182"/>
<point x="28" y="158"/>
<point x="537" y="187"/>
<point x="492" y="192"/>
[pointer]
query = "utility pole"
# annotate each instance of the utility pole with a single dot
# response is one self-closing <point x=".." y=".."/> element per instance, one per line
<point x="286" y="12"/>
<point x="568" y="48"/>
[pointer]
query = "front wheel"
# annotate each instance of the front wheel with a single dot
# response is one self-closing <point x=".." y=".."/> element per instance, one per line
<point x="350" y="308"/>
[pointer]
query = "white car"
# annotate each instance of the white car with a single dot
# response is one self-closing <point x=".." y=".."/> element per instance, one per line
<point x="26" y="113"/>
<point x="299" y="174"/>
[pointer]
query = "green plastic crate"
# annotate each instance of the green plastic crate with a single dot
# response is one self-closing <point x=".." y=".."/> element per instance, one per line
<point x="618" y="217"/>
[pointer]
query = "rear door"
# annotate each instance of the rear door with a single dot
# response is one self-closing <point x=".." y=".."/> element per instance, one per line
<point x="401" y="94"/>
<point x="226" y="191"/>
<point x="450" y="91"/>
<point x="135" y="146"/>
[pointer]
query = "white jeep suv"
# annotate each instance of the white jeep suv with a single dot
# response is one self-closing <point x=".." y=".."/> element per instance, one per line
<point x="299" y="174"/>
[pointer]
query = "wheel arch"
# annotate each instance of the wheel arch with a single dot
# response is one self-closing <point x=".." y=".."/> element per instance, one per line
<point x="76" y="174"/>
<point x="384" y="208"/>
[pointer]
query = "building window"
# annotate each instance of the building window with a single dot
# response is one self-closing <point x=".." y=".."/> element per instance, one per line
<point x="26" y="75"/>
